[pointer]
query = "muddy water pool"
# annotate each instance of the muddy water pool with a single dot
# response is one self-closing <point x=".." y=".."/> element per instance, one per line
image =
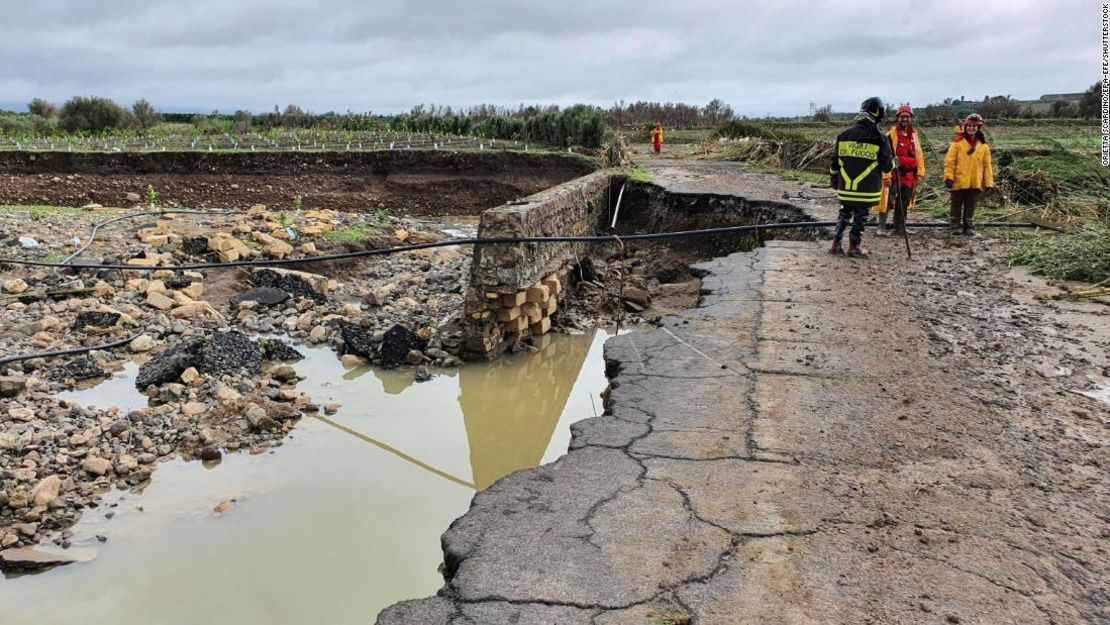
<point x="340" y="521"/>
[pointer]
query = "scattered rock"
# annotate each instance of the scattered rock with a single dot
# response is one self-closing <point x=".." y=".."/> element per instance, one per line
<point x="265" y="295"/>
<point x="194" y="246"/>
<point x="96" y="466"/>
<point x="15" y="286"/>
<point x="143" y="343"/>
<point x="283" y="373"/>
<point x="296" y="283"/>
<point x="210" y="453"/>
<point x="226" y="394"/>
<point x="273" y="349"/>
<point x="80" y="368"/>
<point x="190" y="375"/>
<point x="159" y="300"/>
<point x="636" y="296"/>
<point x="46" y="491"/>
<point x="352" y="360"/>
<point x="19" y="413"/>
<point x="29" y="559"/>
<point x="12" y="385"/>
<point x="194" y="408"/>
<point x="96" y="319"/>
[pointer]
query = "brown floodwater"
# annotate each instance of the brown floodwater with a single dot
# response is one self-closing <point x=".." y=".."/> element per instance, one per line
<point x="340" y="521"/>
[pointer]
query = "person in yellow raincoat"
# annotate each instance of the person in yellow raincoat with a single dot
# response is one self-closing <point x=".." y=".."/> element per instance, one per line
<point x="657" y="138"/>
<point x="967" y="172"/>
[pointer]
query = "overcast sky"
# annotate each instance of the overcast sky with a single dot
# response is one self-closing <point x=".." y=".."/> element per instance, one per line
<point x="384" y="55"/>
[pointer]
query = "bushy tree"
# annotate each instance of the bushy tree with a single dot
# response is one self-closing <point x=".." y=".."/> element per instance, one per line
<point x="243" y="121"/>
<point x="92" y="114"/>
<point x="42" y="108"/>
<point x="145" y="115"/>
<point x="1062" y="108"/>
<point x="999" y="106"/>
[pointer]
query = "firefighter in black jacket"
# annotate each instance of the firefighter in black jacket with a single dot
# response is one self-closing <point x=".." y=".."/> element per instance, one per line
<point x="861" y="157"/>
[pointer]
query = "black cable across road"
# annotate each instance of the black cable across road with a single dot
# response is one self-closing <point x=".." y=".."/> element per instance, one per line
<point x="655" y="236"/>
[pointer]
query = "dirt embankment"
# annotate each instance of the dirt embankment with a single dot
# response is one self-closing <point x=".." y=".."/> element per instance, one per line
<point x="401" y="182"/>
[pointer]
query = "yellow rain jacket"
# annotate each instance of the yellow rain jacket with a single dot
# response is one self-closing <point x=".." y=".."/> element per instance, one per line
<point x="968" y="171"/>
<point x="656" y="135"/>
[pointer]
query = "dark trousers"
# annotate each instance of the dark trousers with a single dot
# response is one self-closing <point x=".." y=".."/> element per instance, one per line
<point x="963" y="208"/>
<point x="857" y="215"/>
<point x="899" y="205"/>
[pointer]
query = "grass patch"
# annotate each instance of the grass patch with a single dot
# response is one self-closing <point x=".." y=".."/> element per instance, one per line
<point x="1080" y="255"/>
<point x="351" y="234"/>
<point x="40" y="212"/>
<point x="636" y="174"/>
<point x="789" y="174"/>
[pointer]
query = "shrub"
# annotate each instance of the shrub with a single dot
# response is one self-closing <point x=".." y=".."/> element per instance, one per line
<point x="145" y="115"/>
<point x="93" y="114"/>
<point x="42" y="108"/>
<point x="739" y="128"/>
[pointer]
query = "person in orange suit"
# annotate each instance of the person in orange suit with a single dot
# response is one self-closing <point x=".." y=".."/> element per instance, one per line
<point x="657" y="138"/>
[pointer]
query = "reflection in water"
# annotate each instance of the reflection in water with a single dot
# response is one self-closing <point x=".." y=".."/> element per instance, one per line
<point x="511" y="406"/>
<point x="325" y="528"/>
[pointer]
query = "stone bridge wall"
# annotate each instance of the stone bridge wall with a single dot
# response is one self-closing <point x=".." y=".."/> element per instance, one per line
<point x="514" y="288"/>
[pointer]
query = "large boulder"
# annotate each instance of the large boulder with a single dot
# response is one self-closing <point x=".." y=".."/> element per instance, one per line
<point x="396" y="345"/>
<point x="222" y="352"/>
<point x="358" y="341"/>
<point x="295" y="283"/>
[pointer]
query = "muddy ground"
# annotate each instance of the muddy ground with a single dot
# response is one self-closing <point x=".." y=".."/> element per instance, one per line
<point x="405" y="183"/>
<point x="820" y="440"/>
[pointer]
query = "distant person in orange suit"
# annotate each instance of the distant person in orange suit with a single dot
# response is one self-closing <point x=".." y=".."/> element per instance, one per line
<point x="657" y="138"/>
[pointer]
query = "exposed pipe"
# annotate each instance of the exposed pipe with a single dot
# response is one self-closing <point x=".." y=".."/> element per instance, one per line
<point x="617" y="210"/>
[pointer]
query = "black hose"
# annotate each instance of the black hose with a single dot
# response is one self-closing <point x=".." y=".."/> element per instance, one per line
<point x="68" y="352"/>
<point x="100" y="224"/>
<point x="657" y="236"/>
<point x="420" y="246"/>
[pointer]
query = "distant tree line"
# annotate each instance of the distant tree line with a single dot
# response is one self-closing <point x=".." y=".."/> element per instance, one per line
<point x="670" y="114"/>
<point x="1006" y="107"/>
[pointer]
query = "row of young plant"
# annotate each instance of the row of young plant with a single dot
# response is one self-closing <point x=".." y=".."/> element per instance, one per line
<point x="271" y="140"/>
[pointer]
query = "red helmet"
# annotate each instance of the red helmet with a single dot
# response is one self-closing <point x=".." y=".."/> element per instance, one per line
<point x="974" y="118"/>
<point x="905" y="108"/>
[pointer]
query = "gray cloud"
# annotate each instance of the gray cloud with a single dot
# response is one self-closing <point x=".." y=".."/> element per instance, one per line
<point x="388" y="55"/>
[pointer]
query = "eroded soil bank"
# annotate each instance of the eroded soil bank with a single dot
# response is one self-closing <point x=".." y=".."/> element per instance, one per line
<point x="403" y="182"/>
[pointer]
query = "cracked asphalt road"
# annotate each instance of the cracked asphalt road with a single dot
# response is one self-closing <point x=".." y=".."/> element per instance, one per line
<point x="821" y="440"/>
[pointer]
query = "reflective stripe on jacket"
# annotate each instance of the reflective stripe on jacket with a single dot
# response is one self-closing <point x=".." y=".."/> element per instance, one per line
<point x="968" y="171"/>
<point x="859" y="162"/>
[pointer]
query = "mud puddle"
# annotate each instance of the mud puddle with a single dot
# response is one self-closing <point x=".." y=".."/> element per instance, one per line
<point x="340" y="521"/>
